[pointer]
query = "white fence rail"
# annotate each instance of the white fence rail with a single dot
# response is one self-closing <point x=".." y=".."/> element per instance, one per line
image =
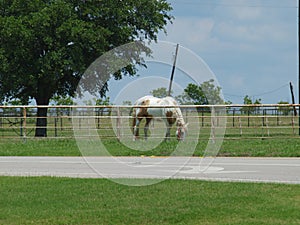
<point x="115" y="122"/>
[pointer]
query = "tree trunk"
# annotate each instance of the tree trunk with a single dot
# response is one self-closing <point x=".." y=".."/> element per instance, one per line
<point x="41" y="121"/>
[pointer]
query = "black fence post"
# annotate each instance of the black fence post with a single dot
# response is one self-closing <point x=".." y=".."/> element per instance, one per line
<point x="21" y="128"/>
<point x="55" y="126"/>
<point x="248" y="118"/>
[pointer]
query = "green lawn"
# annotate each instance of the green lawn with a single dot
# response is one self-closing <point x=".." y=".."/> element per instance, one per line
<point x="254" y="135"/>
<point x="68" y="147"/>
<point x="46" y="200"/>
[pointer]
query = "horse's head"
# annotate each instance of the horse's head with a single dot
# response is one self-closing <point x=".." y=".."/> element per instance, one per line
<point x="181" y="132"/>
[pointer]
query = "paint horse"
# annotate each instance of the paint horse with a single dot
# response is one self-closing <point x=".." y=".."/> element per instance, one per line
<point x="170" y="115"/>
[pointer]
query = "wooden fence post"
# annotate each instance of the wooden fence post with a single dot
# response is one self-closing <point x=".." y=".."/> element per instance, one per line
<point x="267" y="126"/>
<point x="293" y="124"/>
<point x="240" y="125"/>
<point x="213" y="124"/>
<point x="118" y="124"/>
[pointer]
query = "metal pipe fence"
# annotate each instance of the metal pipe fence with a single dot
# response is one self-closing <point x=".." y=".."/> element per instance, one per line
<point x="115" y="122"/>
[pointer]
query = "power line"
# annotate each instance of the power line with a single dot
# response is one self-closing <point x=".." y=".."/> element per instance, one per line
<point x="258" y="95"/>
<point x="270" y="92"/>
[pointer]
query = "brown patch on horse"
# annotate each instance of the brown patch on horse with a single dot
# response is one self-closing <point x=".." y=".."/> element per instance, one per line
<point x="143" y="110"/>
<point x="145" y="102"/>
<point x="171" y="120"/>
<point x="143" y="113"/>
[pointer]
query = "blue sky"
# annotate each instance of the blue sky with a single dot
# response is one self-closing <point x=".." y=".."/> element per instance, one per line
<point x="251" y="46"/>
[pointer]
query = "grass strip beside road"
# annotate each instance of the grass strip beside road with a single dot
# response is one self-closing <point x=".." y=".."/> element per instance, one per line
<point x="68" y="147"/>
<point x="44" y="200"/>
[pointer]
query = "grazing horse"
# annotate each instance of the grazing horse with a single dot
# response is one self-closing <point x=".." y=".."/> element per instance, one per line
<point x="169" y="115"/>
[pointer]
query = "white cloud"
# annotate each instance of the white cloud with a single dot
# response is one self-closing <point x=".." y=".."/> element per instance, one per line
<point x="231" y="31"/>
<point x="244" y="24"/>
<point x="243" y="42"/>
<point x="253" y="34"/>
<point x="190" y="31"/>
<point x="236" y="82"/>
<point x="241" y="10"/>
<point x="247" y="13"/>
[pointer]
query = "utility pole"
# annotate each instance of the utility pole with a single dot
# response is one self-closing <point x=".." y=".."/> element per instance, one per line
<point x="298" y="65"/>
<point x="173" y="71"/>
<point x="293" y="98"/>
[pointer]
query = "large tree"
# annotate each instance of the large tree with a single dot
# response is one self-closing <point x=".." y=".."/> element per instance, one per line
<point x="250" y="109"/>
<point x="204" y="94"/>
<point x="46" y="45"/>
<point x="159" y="92"/>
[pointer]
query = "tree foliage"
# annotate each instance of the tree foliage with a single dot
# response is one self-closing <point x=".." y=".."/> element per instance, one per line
<point x="284" y="110"/>
<point x="250" y="109"/>
<point x="46" y="45"/>
<point x="62" y="100"/>
<point x="203" y="94"/>
<point x="184" y="99"/>
<point x="196" y="94"/>
<point x="159" y="92"/>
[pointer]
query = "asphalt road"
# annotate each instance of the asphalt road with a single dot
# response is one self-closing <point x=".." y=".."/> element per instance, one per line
<point x="274" y="170"/>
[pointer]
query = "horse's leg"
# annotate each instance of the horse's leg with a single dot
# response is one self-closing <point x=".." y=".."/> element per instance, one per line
<point x="168" y="132"/>
<point x="146" y="128"/>
<point x="136" y="129"/>
<point x="170" y="120"/>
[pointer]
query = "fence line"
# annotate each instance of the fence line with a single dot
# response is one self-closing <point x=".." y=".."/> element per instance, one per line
<point x="161" y="106"/>
<point x="113" y="121"/>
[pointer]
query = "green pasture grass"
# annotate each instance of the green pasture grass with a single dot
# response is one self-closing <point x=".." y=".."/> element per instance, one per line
<point x="38" y="147"/>
<point x="283" y="147"/>
<point x="239" y="125"/>
<point x="244" y="136"/>
<point x="44" y="200"/>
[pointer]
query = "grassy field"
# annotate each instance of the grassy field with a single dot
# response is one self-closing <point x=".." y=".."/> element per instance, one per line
<point x="45" y="200"/>
<point x="253" y="135"/>
<point x="95" y="201"/>
<point x="237" y="125"/>
<point x="68" y="147"/>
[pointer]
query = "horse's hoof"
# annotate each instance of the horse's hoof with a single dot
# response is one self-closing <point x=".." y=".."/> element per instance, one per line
<point x="135" y="138"/>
